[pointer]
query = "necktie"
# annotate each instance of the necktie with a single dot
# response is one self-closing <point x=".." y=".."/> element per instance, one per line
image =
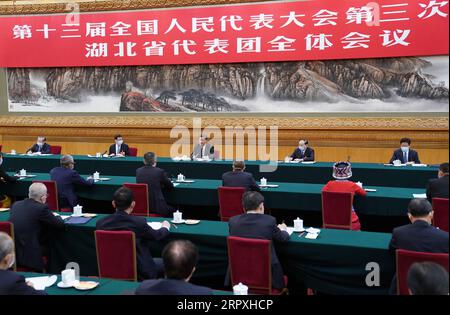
<point x="201" y="152"/>
<point x="405" y="157"/>
<point x="39" y="148"/>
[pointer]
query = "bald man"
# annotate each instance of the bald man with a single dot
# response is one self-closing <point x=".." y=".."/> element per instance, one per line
<point x="11" y="283"/>
<point x="33" y="222"/>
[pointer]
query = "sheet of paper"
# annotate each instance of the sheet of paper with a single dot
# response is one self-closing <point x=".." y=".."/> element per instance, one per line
<point x="420" y="196"/>
<point x="419" y="165"/>
<point x="4" y="209"/>
<point x="155" y="225"/>
<point x="40" y="283"/>
<point x="311" y="236"/>
<point x="176" y="184"/>
<point x="370" y="190"/>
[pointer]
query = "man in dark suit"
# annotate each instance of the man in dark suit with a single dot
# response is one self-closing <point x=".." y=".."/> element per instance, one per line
<point x="32" y="223"/>
<point x="12" y="283"/>
<point x="239" y="178"/>
<point x="255" y="224"/>
<point x="122" y="220"/>
<point x="4" y="179"/>
<point x="40" y="146"/>
<point x="438" y="188"/>
<point x="180" y="258"/>
<point x="203" y="149"/>
<point x="119" y="148"/>
<point x="420" y="236"/>
<point x="303" y="152"/>
<point x="157" y="180"/>
<point x="66" y="179"/>
<point x="405" y="154"/>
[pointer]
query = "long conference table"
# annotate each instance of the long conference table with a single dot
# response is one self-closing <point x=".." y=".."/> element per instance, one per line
<point x="334" y="263"/>
<point x="318" y="173"/>
<point x="386" y="201"/>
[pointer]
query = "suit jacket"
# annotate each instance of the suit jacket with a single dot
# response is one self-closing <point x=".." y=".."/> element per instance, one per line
<point x="307" y="156"/>
<point x="66" y="180"/>
<point x="413" y="156"/>
<point x="123" y="147"/>
<point x="6" y="179"/>
<point x="240" y="179"/>
<point x="198" y="151"/>
<point x="12" y="283"/>
<point x="44" y="150"/>
<point x="32" y="223"/>
<point x="157" y="180"/>
<point x="437" y="188"/>
<point x="261" y="226"/>
<point x="144" y="234"/>
<point x="171" y="287"/>
<point x="420" y="237"/>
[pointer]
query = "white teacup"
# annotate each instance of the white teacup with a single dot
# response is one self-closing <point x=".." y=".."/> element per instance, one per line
<point x="68" y="277"/>
<point x="298" y="224"/>
<point x="96" y="176"/>
<point x="177" y="216"/>
<point x="359" y="184"/>
<point x="181" y="177"/>
<point x="23" y="172"/>
<point x="240" y="289"/>
<point x="77" y="210"/>
<point x="263" y="181"/>
<point x="397" y="162"/>
<point x="13" y="152"/>
<point x="98" y="154"/>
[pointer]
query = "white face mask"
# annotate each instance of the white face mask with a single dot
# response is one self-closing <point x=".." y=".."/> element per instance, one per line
<point x="302" y="147"/>
<point x="119" y="142"/>
<point x="405" y="149"/>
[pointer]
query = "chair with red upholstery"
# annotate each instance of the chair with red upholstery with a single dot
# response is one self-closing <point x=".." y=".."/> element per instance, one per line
<point x="116" y="255"/>
<point x="140" y="192"/>
<point x="52" y="191"/>
<point x="55" y="149"/>
<point x="406" y="258"/>
<point x="132" y="151"/>
<point x="337" y="210"/>
<point x="440" y="216"/>
<point x="1" y="147"/>
<point x="8" y="228"/>
<point x="250" y="263"/>
<point x="230" y="202"/>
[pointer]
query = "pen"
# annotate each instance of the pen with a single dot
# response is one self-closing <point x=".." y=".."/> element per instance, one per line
<point x="301" y="234"/>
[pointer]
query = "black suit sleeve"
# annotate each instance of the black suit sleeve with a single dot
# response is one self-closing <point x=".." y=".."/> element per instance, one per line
<point x="429" y="192"/>
<point x="393" y="158"/>
<point x="46" y="149"/>
<point x="20" y="287"/>
<point x="277" y="234"/>
<point x="253" y="185"/>
<point x="126" y="149"/>
<point x="393" y="244"/>
<point x="166" y="183"/>
<point x="310" y="157"/>
<point x="111" y="150"/>
<point x="47" y="217"/>
<point x="147" y="233"/>
<point x="416" y="158"/>
<point x="6" y="177"/>
<point x="294" y="154"/>
<point x="33" y="148"/>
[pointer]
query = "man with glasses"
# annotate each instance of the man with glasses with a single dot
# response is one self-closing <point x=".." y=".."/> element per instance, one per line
<point x="33" y="222"/>
<point x="66" y="179"/>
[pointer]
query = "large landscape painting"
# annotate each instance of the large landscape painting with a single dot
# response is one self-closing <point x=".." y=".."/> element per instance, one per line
<point x="366" y="85"/>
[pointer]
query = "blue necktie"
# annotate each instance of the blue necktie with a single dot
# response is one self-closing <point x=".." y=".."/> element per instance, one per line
<point x="405" y="160"/>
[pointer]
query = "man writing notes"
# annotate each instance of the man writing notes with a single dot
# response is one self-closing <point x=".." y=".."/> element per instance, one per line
<point x="405" y="154"/>
<point x="122" y="220"/>
<point x="203" y="149"/>
<point x="157" y="180"/>
<point x="239" y="178"/>
<point x="40" y="146"/>
<point x="303" y="153"/>
<point x="255" y="224"/>
<point x="119" y="148"/>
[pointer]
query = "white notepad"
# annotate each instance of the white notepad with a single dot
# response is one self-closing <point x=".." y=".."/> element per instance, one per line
<point x="155" y="225"/>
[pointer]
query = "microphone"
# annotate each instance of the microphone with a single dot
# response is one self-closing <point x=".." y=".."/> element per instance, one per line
<point x="348" y="159"/>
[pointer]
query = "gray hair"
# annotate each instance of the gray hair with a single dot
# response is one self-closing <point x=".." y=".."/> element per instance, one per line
<point x="6" y="245"/>
<point x="37" y="190"/>
<point x="66" y="160"/>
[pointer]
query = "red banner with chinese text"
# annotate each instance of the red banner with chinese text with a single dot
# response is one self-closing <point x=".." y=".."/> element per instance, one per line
<point x="262" y="32"/>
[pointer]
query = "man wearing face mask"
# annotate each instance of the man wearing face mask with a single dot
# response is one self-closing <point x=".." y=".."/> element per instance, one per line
<point x="33" y="222"/>
<point x="303" y="152"/>
<point x="203" y="149"/>
<point x="66" y="179"/>
<point x="4" y="179"/>
<point x="40" y="146"/>
<point x="11" y="283"/>
<point x="405" y="154"/>
<point x="119" y="148"/>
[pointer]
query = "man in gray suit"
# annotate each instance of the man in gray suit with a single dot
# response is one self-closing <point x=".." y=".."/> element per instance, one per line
<point x="203" y="150"/>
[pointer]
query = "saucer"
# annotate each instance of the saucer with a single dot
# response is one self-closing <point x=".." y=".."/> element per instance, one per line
<point x="178" y="222"/>
<point x="86" y="285"/>
<point x="77" y="215"/>
<point x="65" y="286"/>
<point x="192" y="222"/>
<point x="299" y="230"/>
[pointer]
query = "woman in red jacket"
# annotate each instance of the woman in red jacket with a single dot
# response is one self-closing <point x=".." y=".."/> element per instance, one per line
<point x="342" y="172"/>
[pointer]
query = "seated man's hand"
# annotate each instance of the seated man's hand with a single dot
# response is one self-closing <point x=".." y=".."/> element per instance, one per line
<point x="282" y="227"/>
<point x="166" y="225"/>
